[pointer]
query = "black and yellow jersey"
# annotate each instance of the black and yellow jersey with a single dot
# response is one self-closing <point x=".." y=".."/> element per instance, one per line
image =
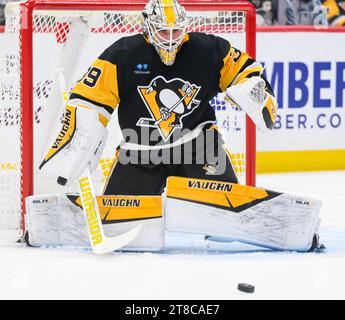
<point x="158" y="101"/>
<point x="335" y="12"/>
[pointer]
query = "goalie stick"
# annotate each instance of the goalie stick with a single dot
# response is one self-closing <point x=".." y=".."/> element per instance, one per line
<point x="100" y="244"/>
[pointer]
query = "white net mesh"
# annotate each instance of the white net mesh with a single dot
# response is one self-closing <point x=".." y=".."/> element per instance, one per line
<point x="10" y="129"/>
<point x="10" y="202"/>
<point x="73" y="39"/>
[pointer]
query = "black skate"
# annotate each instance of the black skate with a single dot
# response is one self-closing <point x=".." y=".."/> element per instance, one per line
<point x="317" y="246"/>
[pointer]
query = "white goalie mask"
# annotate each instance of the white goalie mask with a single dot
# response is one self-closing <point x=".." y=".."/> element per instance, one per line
<point x="164" y="24"/>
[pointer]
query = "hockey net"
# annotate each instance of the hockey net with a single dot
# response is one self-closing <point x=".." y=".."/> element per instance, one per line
<point x="60" y="34"/>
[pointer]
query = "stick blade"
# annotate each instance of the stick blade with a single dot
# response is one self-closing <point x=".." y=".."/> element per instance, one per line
<point x="112" y="244"/>
<point x="146" y="122"/>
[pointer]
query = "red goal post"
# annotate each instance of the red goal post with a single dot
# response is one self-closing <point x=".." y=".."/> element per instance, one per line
<point x="27" y="109"/>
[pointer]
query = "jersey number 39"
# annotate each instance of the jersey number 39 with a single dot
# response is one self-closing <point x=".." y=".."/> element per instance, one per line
<point x="92" y="76"/>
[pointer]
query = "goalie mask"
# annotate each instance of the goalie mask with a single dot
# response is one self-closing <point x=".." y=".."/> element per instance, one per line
<point x="164" y="24"/>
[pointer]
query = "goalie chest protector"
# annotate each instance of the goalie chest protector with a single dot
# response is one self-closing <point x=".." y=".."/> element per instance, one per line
<point x="145" y="85"/>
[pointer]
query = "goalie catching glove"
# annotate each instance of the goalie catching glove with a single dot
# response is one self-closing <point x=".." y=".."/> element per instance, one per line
<point x="81" y="141"/>
<point x="251" y="96"/>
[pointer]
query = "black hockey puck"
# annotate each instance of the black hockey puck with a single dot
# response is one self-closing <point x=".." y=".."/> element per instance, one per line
<point x="244" y="287"/>
<point x="61" y="181"/>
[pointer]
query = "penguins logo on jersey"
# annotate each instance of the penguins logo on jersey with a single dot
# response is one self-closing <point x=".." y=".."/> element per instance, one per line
<point x="168" y="103"/>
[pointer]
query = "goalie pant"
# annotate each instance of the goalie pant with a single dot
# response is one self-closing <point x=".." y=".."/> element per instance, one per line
<point x="211" y="208"/>
<point x="145" y="172"/>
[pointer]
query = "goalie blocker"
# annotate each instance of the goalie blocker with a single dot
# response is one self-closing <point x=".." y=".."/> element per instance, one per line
<point x="214" y="209"/>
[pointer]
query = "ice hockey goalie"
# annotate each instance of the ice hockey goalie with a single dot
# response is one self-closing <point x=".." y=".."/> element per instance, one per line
<point x="172" y="171"/>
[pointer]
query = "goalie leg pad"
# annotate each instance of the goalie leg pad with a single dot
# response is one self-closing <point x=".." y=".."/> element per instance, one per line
<point x="241" y="213"/>
<point x="58" y="220"/>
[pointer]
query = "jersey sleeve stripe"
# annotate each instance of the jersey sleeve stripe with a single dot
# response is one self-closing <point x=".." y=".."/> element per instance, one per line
<point x="255" y="68"/>
<point x="80" y="98"/>
<point x="250" y="62"/>
<point x="86" y="104"/>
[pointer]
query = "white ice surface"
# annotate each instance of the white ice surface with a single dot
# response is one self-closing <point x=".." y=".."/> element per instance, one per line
<point x="28" y="273"/>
